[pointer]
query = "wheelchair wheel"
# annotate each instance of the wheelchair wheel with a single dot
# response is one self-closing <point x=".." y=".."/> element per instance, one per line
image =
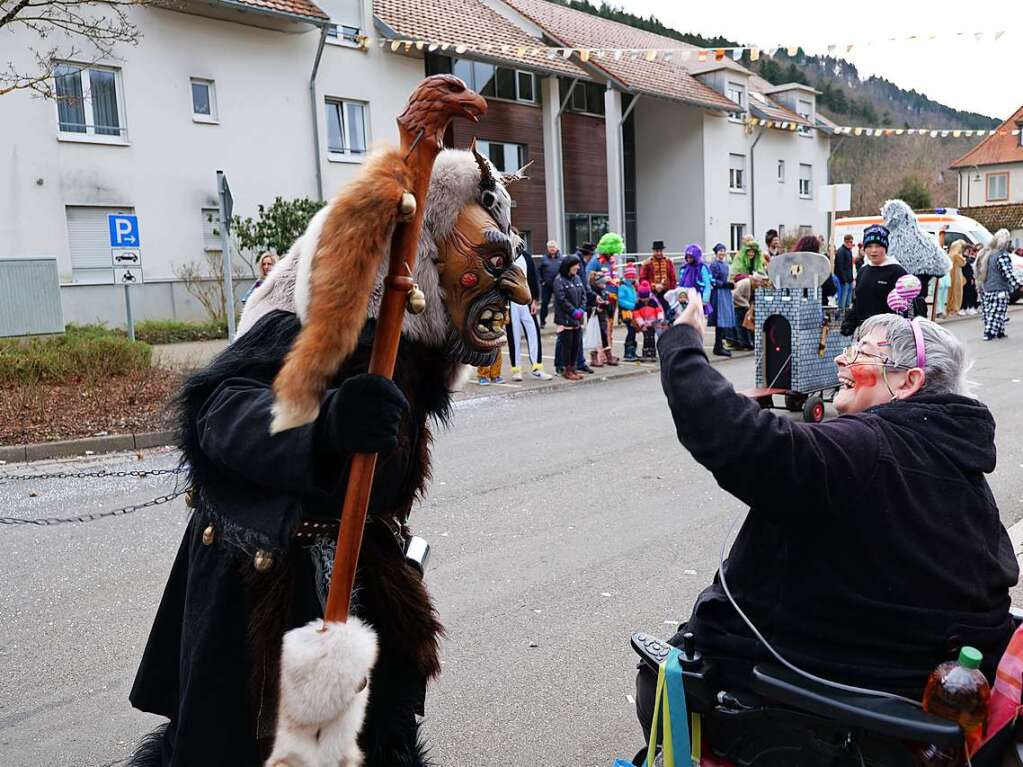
<point x="813" y="410"/>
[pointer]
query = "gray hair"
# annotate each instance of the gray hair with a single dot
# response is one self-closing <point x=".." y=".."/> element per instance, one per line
<point x="945" y="367"/>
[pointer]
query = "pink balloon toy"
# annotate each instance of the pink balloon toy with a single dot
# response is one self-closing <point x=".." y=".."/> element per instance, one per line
<point x="908" y="286"/>
<point x="897" y="302"/>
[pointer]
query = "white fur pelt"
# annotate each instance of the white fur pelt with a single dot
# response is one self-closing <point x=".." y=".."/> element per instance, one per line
<point x="324" y="690"/>
<point x="908" y="244"/>
<point x="453" y="185"/>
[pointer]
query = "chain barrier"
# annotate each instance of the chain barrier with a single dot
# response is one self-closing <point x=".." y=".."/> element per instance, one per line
<point x="100" y="474"/>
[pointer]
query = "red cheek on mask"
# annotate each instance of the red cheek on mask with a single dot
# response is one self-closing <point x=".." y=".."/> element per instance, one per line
<point x="469" y="280"/>
<point x="863" y="376"/>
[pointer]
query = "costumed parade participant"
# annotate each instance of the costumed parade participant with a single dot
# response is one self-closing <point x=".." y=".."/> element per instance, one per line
<point x="917" y="252"/>
<point x="721" y="299"/>
<point x="646" y="317"/>
<point x="270" y="431"/>
<point x="997" y="282"/>
<point x="749" y="261"/>
<point x="609" y="247"/>
<point x="659" y="271"/>
<point x="875" y="280"/>
<point x="873" y="548"/>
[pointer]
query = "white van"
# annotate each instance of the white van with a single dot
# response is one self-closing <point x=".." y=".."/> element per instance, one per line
<point x="956" y="227"/>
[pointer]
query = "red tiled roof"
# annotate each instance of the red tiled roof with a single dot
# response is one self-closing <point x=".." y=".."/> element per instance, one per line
<point x="470" y="22"/>
<point x="577" y="29"/>
<point x="996" y="149"/>
<point x="294" y="7"/>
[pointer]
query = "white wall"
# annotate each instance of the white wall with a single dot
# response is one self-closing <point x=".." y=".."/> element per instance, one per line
<point x="721" y="138"/>
<point x="973" y="190"/>
<point x="780" y="203"/>
<point x="166" y="169"/>
<point x="669" y="174"/>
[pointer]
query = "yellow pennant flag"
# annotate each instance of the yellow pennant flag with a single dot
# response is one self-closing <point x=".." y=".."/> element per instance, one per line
<point x="651" y="55"/>
<point x="754" y="54"/>
<point x="584" y="55"/>
<point x="395" y="44"/>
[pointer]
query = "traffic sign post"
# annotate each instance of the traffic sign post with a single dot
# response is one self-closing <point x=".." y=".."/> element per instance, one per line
<point x="833" y="198"/>
<point x="126" y="258"/>
<point x="226" y="208"/>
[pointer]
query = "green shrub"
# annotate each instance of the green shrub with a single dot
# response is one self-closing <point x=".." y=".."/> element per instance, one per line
<point x="172" y="331"/>
<point x="90" y="354"/>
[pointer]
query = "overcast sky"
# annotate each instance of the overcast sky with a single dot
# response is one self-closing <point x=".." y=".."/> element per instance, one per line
<point x="984" y="76"/>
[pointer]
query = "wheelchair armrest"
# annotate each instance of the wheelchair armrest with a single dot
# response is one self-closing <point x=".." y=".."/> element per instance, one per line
<point x="882" y="716"/>
<point x="1017" y="616"/>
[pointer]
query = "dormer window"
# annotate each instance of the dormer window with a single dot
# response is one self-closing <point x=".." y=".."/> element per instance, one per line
<point x="736" y="92"/>
<point x="804" y="108"/>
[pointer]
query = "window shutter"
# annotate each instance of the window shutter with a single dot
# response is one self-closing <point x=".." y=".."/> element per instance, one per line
<point x="89" y="239"/>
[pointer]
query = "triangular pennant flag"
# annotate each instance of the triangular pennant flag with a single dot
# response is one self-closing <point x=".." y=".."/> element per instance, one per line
<point x="754" y="54"/>
<point x="899" y="131"/>
<point x="584" y="55"/>
<point x="849" y="47"/>
<point x="433" y="47"/>
<point x="999" y="33"/>
<point x="650" y="55"/>
<point x="831" y="48"/>
<point x="701" y="56"/>
<point x="944" y="134"/>
<point x="719" y="54"/>
<point x="445" y="46"/>
<point x="857" y="131"/>
<point x="618" y="54"/>
<point x="419" y="45"/>
<point x="567" y="52"/>
<point x="461" y="49"/>
<point x="408" y="45"/>
<point x="395" y="45"/>
<point x="667" y="56"/>
<point x="934" y="134"/>
<point x="956" y="133"/>
<point x="736" y="53"/>
<point x="792" y="50"/>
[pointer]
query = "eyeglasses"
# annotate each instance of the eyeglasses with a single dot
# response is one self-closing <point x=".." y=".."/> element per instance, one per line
<point x="855" y="351"/>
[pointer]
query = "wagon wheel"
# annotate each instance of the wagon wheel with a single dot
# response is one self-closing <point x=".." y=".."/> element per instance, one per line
<point x="766" y="402"/>
<point x="813" y="410"/>
<point x="794" y="402"/>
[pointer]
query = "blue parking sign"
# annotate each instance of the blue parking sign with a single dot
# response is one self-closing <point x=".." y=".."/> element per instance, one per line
<point x="124" y="231"/>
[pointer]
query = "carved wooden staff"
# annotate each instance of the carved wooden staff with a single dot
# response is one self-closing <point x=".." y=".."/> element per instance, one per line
<point x="433" y="105"/>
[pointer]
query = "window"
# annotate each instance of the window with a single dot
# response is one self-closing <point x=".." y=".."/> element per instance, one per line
<point x="211" y="242"/>
<point x="736" y="233"/>
<point x="496" y="82"/>
<point x="737" y="93"/>
<point x="781" y="171"/>
<point x="89" y="240"/>
<point x="89" y="103"/>
<point x="346" y="21"/>
<point x="804" y="109"/>
<point x="585" y="227"/>
<point x="805" y="181"/>
<point x="997" y="186"/>
<point x="204" y="101"/>
<point x="737" y="172"/>
<point x="507" y="158"/>
<point x="527" y="240"/>
<point x="586" y="97"/>
<point x="346" y="130"/>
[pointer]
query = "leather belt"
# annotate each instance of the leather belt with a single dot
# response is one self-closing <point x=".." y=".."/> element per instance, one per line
<point x="312" y="528"/>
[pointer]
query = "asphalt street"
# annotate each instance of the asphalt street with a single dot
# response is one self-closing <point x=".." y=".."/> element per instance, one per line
<point x="560" y="522"/>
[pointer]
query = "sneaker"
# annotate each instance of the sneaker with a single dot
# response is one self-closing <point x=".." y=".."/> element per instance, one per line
<point x="483" y="381"/>
<point x="516" y="374"/>
<point x="585" y="369"/>
<point x="540" y="375"/>
<point x="497" y="379"/>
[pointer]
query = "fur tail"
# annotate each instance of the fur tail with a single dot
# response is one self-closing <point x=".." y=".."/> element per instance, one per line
<point x="149" y="751"/>
<point x="352" y="248"/>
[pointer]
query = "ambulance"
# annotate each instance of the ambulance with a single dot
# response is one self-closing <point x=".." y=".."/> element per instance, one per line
<point x="947" y="220"/>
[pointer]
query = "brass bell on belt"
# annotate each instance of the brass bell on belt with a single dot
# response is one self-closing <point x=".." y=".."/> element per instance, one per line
<point x="415" y="302"/>
<point x="263" y="560"/>
<point x="208" y="535"/>
<point x="190" y="498"/>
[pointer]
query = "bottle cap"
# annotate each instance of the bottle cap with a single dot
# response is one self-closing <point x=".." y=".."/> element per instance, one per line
<point x="970" y="657"/>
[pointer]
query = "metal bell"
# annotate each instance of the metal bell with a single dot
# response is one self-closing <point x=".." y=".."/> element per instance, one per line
<point x="190" y="498"/>
<point x="415" y="302"/>
<point x="407" y="206"/>
<point x="208" y="535"/>
<point x="263" y="560"/>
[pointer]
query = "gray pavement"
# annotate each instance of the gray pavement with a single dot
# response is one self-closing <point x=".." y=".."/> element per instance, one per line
<point x="559" y="522"/>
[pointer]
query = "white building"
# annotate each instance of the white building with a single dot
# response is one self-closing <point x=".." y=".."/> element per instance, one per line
<point x="287" y="103"/>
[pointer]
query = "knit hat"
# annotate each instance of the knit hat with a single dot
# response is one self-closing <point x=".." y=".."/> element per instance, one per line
<point x="630" y="272"/>
<point x="876" y="235"/>
<point x="720" y="246"/>
<point x="643" y="291"/>
<point x="611" y="244"/>
<point x="694" y="251"/>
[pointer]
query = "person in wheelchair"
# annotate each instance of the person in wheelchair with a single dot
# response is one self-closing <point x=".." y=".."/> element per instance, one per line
<point x="873" y="547"/>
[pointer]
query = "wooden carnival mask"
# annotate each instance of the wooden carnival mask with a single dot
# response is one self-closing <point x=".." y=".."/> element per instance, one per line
<point x="477" y="275"/>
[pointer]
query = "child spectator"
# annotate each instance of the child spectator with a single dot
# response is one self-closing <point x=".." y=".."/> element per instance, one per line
<point x="647" y="314"/>
<point x="600" y="303"/>
<point x="569" y="312"/>
<point x="626" y="305"/>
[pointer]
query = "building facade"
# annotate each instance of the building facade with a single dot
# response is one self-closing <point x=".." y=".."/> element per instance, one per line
<point x="289" y="102"/>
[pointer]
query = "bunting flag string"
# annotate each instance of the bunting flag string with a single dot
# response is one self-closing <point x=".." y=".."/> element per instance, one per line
<point x="681" y="52"/>
<point x="846" y="130"/>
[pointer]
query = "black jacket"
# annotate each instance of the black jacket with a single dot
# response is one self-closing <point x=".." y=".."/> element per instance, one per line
<point x="548" y="268"/>
<point x="569" y="295"/>
<point x="873" y="547"/>
<point x="873" y="284"/>
<point x="844" y="265"/>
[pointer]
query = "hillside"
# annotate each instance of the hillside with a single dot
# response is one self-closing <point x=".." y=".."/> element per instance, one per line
<point x="877" y="167"/>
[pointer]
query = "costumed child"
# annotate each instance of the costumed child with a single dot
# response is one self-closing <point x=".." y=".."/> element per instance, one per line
<point x="626" y="306"/>
<point x="609" y="248"/>
<point x="599" y="303"/>
<point x="647" y="314"/>
<point x="721" y="300"/>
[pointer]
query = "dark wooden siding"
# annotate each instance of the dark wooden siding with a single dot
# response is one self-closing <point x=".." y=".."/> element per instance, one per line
<point x="585" y="160"/>
<point x="519" y="124"/>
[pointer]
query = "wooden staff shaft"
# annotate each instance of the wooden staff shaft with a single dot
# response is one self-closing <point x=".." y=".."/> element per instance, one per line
<point x="385" y="350"/>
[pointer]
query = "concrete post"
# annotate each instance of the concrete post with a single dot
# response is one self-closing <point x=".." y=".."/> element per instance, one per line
<point x="554" y="170"/>
<point x="615" y="167"/>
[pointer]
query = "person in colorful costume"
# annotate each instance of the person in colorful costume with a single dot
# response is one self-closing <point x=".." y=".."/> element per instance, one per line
<point x="721" y="299"/>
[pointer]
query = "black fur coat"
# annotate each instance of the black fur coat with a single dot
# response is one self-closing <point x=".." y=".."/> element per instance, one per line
<point x="211" y="662"/>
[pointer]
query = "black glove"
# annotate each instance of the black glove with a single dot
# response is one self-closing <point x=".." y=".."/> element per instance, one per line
<point x="729" y="286"/>
<point x="365" y="415"/>
<point x="848" y="326"/>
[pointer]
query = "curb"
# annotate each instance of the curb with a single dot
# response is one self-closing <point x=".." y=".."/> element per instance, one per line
<point x="72" y="447"/>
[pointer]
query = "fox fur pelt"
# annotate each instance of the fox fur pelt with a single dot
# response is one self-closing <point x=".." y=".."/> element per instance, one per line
<point x="351" y="237"/>
<point x="908" y="244"/>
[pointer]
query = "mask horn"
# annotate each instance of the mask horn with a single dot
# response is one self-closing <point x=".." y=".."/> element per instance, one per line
<point x="487" y="180"/>
<point x="519" y="175"/>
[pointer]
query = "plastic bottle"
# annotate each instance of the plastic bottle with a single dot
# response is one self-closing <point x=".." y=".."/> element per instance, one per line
<point x="956" y="690"/>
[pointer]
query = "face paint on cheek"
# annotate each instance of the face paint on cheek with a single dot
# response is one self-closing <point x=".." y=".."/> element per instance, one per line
<point x="469" y="280"/>
<point x="863" y="376"/>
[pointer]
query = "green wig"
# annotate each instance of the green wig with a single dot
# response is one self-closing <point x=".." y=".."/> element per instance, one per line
<point x="611" y="244"/>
